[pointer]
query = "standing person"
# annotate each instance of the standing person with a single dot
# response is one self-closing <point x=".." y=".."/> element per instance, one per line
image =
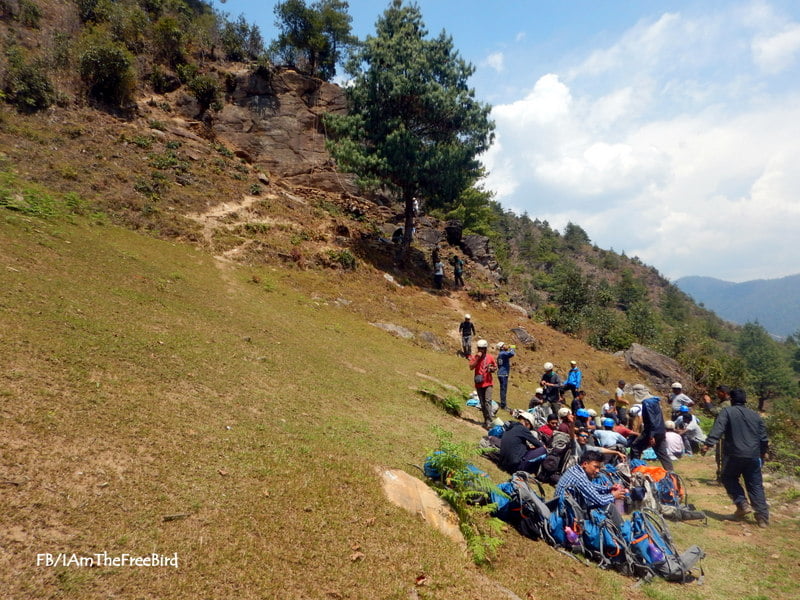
<point x="458" y="272"/>
<point x="467" y="330"/>
<point x="504" y="356"/>
<point x="551" y="383"/>
<point x="573" y="382"/>
<point x="746" y="446"/>
<point x="653" y="427"/>
<point x="678" y="399"/>
<point x="578" y="401"/>
<point x="622" y="403"/>
<point x="484" y="364"/>
<point x="438" y="273"/>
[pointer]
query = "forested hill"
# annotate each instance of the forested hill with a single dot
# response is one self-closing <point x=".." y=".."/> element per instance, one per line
<point x="774" y="303"/>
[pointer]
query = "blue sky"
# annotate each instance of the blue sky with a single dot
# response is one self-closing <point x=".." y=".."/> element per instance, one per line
<point x="668" y="130"/>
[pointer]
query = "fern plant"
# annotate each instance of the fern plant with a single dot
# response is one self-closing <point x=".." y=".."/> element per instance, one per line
<point x="469" y="492"/>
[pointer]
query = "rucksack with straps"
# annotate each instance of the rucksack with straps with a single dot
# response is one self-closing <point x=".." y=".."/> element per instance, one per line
<point x="528" y="511"/>
<point x="652" y="545"/>
<point x="664" y="492"/>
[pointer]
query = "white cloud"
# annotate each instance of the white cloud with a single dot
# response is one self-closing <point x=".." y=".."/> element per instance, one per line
<point x="679" y="154"/>
<point x="496" y="61"/>
<point x="777" y="52"/>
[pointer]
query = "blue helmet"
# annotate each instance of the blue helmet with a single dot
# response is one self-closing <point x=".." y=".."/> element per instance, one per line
<point x="608" y="422"/>
<point x="582" y="412"/>
<point x="683" y="408"/>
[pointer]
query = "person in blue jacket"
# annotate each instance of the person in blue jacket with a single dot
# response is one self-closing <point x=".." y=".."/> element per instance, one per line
<point x="573" y="382"/>
<point x="654" y="427"/>
<point x="504" y="355"/>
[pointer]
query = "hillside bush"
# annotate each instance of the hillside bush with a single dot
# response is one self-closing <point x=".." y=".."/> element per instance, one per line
<point x="205" y="89"/>
<point x="29" y="14"/>
<point x="26" y="84"/>
<point x="168" y="41"/>
<point x="107" y="70"/>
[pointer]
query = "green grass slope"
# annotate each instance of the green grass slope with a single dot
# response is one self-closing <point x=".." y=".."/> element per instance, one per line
<point x="144" y="379"/>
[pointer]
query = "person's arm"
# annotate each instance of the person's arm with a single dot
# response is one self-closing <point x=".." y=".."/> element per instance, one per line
<point x="763" y="439"/>
<point x="474" y="360"/>
<point x="717" y="430"/>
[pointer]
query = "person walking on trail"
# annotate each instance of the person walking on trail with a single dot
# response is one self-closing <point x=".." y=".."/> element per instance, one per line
<point x="573" y="382"/>
<point x="438" y="274"/>
<point x="653" y="427"/>
<point x="467" y="330"/>
<point x="678" y="399"/>
<point x="458" y="272"/>
<point x="504" y="356"/>
<point x="551" y="384"/>
<point x="746" y="446"/>
<point x="484" y="364"/>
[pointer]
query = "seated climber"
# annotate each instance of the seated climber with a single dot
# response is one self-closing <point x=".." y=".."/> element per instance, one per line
<point x="578" y="481"/>
<point x="583" y="418"/>
<point x="607" y="437"/>
<point x="583" y="444"/>
<point x="520" y="448"/>
<point x="539" y="408"/>
<point x="546" y="430"/>
<point x="566" y="419"/>
<point x="674" y="441"/>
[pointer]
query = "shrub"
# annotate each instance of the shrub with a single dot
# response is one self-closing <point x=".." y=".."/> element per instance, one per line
<point x="168" y="38"/>
<point x="29" y="14"/>
<point x="26" y="85"/>
<point x="205" y="89"/>
<point x="106" y="69"/>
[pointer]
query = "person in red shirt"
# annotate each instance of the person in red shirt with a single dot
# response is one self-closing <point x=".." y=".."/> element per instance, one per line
<point x="628" y="434"/>
<point x="546" y="430"/>
<point x="484" y="364"/>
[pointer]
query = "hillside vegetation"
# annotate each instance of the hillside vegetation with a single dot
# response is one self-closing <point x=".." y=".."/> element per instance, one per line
<point x="198" y="350"/>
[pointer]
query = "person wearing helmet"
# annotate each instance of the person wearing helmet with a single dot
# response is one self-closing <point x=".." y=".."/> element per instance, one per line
<point x="566" y="419"/>
<point x="688" y="426"/>
<point x="674" y="441"/>
<point x="551" y="384"/>
<point x="584" y="418"/>
<point x="504" y="355"/>
<point x="520" y="449"/>
<point x="573" y="382"/>
<point x="484" y="365"/>
<point x="467" y="330"/>
<point x="607" y="437"/>
<point x="678" y="399"/>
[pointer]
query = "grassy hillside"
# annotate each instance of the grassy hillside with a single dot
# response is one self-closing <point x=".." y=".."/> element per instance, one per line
<point x="145" y="379"/>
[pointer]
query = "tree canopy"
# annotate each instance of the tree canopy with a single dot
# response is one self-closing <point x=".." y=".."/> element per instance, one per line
<point x="414" y="125"/>
<point x="312" y="38"/>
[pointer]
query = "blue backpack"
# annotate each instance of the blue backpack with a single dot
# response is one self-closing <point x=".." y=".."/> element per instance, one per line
<point x="652" y="547"/>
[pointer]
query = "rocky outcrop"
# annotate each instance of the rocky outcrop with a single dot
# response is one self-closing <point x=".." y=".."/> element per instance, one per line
<point x="274" y="117"/>
<point x="524" y="339"/>
<point x="660" y="369"/>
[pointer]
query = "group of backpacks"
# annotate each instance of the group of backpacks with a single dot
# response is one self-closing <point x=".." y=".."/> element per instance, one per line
<point x="641" y="547"/>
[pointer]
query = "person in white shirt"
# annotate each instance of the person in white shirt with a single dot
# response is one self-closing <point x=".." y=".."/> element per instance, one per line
<point x="674" y="441"/>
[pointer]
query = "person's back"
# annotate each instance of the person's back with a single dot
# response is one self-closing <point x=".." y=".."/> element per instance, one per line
<point x="743" y="429"/>
<point x="609" y="438"/>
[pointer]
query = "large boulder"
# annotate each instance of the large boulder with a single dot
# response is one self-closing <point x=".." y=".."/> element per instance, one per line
<point x="660" y="369"/>
<point x="524" y="339"/>
<point x="454" y="229"/>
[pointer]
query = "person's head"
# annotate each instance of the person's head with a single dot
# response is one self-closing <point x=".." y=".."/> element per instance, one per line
<point x="738" y="396"/>
<point x="582" y="413"/>
<point x="635" y="410"/>
<point x="552" y="420"/>
<point x="539" y="393"/>
<point x="677" y="388"/>
<point x="608" y="423"/>
<point x="526" y="419"/>
<point x="723" y="392"/>
<point x="640" y="392"/>
<point x="621" y="384"/>
<point x="573" y="364"/>
<point x="467" y="317"/>
<point x="670" y="425"/>
<point x="581" y="394"/>
<point x="582" y="435"/>
<point x="548" y="366"/>
<point x="591" y="462"/>
<point x="482" y="346"/>
<point x="500" y="345"/>
<point x="612" y="402"/>
<point x="592" y="412"/>
<point x="684" y="410"/>
<point x="564" y="412"/>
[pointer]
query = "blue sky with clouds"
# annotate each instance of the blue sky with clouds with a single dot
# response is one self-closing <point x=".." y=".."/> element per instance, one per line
<point x="669" y="130"/>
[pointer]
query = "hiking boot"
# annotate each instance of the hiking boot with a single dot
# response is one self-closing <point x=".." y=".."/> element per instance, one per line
<point x="742" y="510"/>
<point x="762" y="522"/>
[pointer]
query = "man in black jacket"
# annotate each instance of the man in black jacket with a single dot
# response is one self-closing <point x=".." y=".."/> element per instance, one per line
<point x="745" y="445"/>
<point x="519" y="447"/>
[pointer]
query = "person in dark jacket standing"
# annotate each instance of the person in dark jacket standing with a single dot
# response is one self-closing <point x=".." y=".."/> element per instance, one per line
<point x="653" y="427"/>
<point x="467" y="329"/>
<point x="745" y="446"/>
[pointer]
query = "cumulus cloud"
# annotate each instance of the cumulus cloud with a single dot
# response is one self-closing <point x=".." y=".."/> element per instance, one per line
<point x="696" y="175"/>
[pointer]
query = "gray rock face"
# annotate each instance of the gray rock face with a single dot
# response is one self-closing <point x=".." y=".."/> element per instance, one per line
<point x="661" y="370"/>
<point x="477" y="248"/>
<point x="524" y="338"/>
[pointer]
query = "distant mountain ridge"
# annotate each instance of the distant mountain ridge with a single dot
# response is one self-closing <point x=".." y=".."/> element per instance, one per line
<point x="774" y="303"/>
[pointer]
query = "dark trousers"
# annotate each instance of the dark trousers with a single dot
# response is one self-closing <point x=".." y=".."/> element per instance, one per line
<point x="571" y="387"/>
<point x="503" y="389"/>
<point x="749" y="469"/>
<point x="485" y="397"/>
<point x="643" y="441"/>
<point x="530" y="462"/>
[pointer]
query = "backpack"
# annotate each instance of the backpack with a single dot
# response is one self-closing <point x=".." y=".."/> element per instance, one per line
<point x="528" y="511"/>
<point x="559" y="458"/>
<point x="671" y="491"/>
<point x="652" y="546"/>
<point x="663" y="492"/>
